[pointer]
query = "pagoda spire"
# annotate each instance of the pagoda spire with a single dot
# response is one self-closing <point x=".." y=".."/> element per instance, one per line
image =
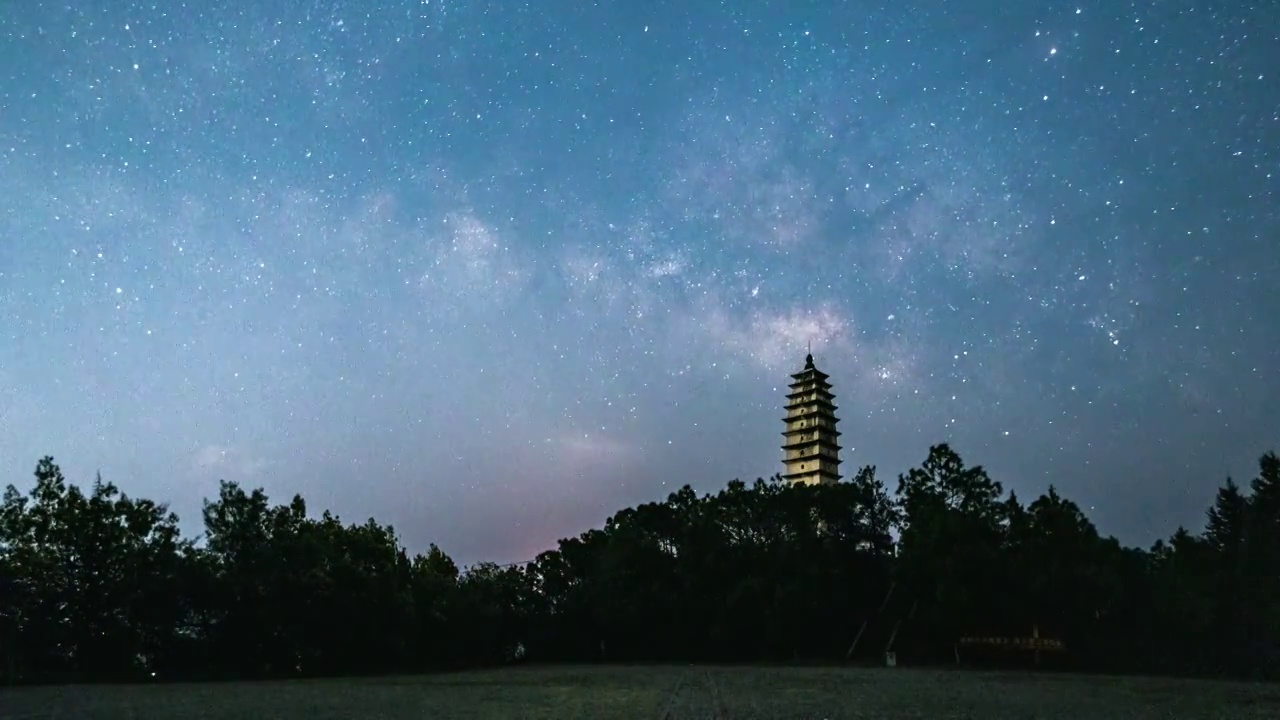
<point x="810" y="441"/>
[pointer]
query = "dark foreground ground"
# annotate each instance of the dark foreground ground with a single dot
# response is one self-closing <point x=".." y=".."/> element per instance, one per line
<point x="566" y="693"/>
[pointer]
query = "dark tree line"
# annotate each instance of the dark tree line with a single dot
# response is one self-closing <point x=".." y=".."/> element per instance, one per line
<point x="96" y="585"/>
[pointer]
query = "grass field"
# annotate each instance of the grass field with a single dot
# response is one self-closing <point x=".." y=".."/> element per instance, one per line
<point x="676" y="692"/>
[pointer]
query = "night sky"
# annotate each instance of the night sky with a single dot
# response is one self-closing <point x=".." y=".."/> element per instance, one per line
<point x="490" y="271"/>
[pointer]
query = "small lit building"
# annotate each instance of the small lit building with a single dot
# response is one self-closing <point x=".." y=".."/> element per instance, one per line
<point x="811" y="447"/>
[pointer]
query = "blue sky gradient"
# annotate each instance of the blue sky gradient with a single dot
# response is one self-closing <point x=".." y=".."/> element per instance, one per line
<point x="491" y="271"/>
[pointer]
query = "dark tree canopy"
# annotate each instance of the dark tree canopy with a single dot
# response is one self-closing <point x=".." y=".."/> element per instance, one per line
<point x="96" y="585"/>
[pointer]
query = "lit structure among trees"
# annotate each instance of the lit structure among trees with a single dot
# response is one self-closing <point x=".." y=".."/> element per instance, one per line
<point x="811" y="447"/>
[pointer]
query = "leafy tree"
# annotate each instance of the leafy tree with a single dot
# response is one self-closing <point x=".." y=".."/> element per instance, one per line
<point x="91" y="578"/>
<point x="98" y="585"/>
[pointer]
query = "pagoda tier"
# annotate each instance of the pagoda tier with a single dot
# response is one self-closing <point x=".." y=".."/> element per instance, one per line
<point x="809" y="413"/>
<point x="803" y="444"/>
<point x="821" y="392"/>
<point x="811" y="449"/>
<point x="810" y="373"/>
<point x="825" y="476"/>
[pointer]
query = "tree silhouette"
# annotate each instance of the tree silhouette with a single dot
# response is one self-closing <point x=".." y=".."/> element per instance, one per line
<point x="95" y="585"/>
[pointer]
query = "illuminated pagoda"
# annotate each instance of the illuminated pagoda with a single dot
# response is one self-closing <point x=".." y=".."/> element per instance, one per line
<point x="811" y="446"/>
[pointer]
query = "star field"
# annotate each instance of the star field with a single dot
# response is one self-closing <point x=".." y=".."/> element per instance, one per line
<point x="491" y="271"/>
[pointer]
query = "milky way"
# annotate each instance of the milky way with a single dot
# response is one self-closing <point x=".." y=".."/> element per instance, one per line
<point x="490" y="271"/>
